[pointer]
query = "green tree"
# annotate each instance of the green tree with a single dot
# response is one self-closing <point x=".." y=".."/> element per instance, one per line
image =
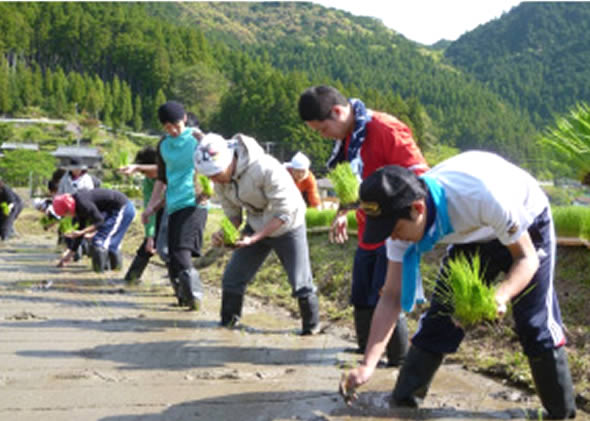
<point x="16" y="166"/>
<point x="137" y="114"/>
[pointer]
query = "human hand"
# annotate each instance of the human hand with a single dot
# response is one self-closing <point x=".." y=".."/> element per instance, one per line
<point x="338" y="229"/>
<point x="149" y="245"/>
<point x="217" y="239"/>
<point x="351" y="381"/>
<point x="246" y="241"/>
<point x="501" y="304"/>
<point x="74" y="234"/>
<point x="128" y="169"/>
<point x="145" y="215"/>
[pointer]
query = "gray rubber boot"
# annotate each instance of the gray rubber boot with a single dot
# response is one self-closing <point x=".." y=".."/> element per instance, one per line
<point x="415" y="377"/>
<point x="115" y="260"/>
<point x="190" y="288"/>
<point x="136" y="268"/>
<point x="553" y="382"/>
<point x="231" y="308"/>
<point x="309" y="309"/>
<point x="398" y="345"/>
<point x="100" y="260"/>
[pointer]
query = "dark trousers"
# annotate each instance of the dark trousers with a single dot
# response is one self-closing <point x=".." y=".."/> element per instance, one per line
<point x="7" y="221"/>
<point x="535" y="310"/>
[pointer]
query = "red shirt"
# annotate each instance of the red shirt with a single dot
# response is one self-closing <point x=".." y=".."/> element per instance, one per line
<point x="388" y="142"/>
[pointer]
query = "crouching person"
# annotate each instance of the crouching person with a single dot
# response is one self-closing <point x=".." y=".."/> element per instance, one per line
<point x="12" y="205"/>
<point x="245" y="177"/>
<point x="478" y="203"/>
<point x="103" y="214"/>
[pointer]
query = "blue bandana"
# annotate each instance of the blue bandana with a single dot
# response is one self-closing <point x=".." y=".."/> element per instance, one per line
<point x="412" y="291"/>
<point x="361" y="118"/>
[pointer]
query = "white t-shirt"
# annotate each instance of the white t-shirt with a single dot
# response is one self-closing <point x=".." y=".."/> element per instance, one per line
<point x="487" y="198"/>
<point x="68" y="185"/>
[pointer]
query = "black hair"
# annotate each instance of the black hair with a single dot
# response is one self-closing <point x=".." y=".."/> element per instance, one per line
<point x="316" y="102"/>
<point x="52" y="186"/>
<point x="192" y="120"/>
<point x="147" y="155"/>
<point x="171" y="112"/>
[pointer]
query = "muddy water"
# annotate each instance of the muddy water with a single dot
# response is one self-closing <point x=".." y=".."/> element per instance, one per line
<point x="78" y="346"/>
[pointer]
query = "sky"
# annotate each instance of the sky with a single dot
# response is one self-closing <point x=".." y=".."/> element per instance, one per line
<point x="427" y="21"/>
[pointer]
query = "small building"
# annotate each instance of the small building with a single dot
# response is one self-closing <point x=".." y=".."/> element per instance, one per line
<point x="90" y="157"/>
<point x="11" y="146"/>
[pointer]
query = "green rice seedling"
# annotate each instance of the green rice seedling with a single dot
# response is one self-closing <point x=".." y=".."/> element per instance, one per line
<point x="464" y="291"/>
<point x="46" y="221"/>
<point x="319" y="218"/>
<point x="123" y="158"/>
<point x="66" y="225"/>
<point x="230" y="233"/>
<point x="569" y="140"/>
<point x="5" y="208"/>
<point x="346" y="184"/>
<point x="572" y="221"/>
<point x="206" y="185"/>
<point x="351" y="216"/>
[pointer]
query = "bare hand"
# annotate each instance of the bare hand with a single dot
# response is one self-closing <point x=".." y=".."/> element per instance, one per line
<point x="338" y="229"/>
<point x="128" y="169"/>
<point x="246" y="241"/>
<point x="145" y="215"/>
<point x="349" y="383"/>
<point x="149" y="245"/>
<point x="74" y="234"/>
<point x="501" y="305"/>
<point x="217" y="239"/>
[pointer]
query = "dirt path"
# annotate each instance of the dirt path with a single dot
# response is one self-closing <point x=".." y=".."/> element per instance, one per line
<point x="78" y="346"/>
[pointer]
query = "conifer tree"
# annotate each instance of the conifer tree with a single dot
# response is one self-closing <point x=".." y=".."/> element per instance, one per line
<point x="137" y="117"/>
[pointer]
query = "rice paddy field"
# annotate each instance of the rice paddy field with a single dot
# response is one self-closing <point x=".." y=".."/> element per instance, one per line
<point x="491" y="348"/>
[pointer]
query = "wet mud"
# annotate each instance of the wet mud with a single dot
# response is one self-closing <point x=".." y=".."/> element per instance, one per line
<point x="75" y="345"/>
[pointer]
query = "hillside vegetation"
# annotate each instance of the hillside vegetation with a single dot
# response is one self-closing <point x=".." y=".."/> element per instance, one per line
<point x="536" y="56"/>
<point x="240" y="67"/>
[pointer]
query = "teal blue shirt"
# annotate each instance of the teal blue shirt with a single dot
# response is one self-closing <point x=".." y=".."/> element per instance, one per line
<point x="177" y="155"/>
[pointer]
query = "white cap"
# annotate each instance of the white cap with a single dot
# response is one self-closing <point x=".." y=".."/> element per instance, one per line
<point x="213" y="155"/>
<point x="299" y="162"/>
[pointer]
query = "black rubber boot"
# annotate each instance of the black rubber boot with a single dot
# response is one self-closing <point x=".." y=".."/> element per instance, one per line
<point x="100" y="260"/>
<point x="136" y="268"/>
<point x="362" y="326"/>
<point x="115" y="260"/>
<point x="398" y="345"/>
<point x="309" y="308"/>
<point x="190" y="288"/>
<point x="231" y="308"/>
<point x="415" y="376"/>
<point x="553" y="382"/>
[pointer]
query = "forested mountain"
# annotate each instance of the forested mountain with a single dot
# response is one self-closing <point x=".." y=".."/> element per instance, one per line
<point x="536" y="56"/>
<point x="369" y="60"/>
<point x="241" y="67"/>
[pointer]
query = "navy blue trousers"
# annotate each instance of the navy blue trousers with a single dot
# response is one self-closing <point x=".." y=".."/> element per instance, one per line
<point x="536" y="311"/>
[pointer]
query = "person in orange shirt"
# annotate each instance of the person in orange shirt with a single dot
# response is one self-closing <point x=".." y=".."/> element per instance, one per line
<point x="304" y="179"/>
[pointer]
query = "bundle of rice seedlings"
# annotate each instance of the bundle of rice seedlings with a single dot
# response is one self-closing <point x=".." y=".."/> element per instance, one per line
<point x="46" y="221"/>
<point x="569" y="140"/>
<point x="123" y="158"/>
<point x="464" y="291"/>
<point x="346" y="184"/>
<point x="5" y="208"/>
<point x="230" y="233"/>
<point x="572" y="221"/>
<point x="319" y="218"/>
<point x="66" y="225"/>
<point x="206" y="185"/>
